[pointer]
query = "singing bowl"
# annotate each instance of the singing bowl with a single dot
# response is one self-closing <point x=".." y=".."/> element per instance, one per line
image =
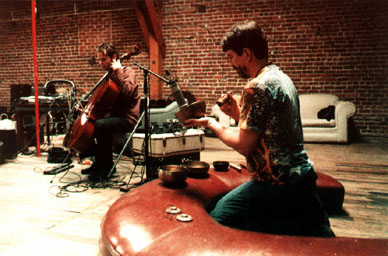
<point x="197" y="168"/>
<point x="221" y="166"/>
<point x="195" y="110"/>
<point x="174" y="174"/>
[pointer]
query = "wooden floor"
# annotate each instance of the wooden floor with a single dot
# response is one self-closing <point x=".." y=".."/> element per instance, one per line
<point x="42" y="214"/>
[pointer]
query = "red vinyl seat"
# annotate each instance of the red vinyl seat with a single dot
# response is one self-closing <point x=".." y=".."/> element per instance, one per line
<point x="137" y="224"/>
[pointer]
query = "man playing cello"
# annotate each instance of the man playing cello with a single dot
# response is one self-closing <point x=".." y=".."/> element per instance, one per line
<point x="124" y="113"/>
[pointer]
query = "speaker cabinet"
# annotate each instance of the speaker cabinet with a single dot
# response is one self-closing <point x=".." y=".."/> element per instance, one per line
<point x="8" y="137"/>
<point x="20" y="90"/>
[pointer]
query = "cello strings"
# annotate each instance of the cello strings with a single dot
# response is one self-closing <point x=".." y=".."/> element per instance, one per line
<point x="79" y="103"/>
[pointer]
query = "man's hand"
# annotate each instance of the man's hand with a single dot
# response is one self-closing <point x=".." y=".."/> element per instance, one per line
<point x="230" y="106"/>
<point x="204" y="122"/>
<point x="244" y="141"/>
<point x="115" y="64"/>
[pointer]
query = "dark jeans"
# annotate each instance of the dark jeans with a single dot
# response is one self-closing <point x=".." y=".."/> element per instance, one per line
<point x="104" y="129"/>
<point x="288" y="209"/>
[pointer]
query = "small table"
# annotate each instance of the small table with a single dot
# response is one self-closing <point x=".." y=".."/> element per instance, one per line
<point x="24" y="108"/>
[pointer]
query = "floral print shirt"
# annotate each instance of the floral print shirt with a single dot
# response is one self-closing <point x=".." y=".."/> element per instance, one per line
<point x="270" y="106"/>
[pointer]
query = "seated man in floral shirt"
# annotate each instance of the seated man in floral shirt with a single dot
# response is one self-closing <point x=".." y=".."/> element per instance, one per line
<point x="281" y="196"/>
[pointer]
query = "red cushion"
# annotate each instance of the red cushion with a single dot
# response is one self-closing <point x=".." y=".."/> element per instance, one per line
<point x="138" y="224"/>
<point x="331" y="192"/>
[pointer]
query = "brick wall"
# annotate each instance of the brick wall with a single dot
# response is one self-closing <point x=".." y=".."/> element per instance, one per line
<point x="337" y="47"/>
<point x="67" y="35"/>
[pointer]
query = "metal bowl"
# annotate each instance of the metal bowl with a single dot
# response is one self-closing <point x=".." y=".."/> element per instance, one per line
<point x="174" y="174"/>
<point x="197" y="168"/>
<point x="221" y="166"/>
<point x="195" y="110"/>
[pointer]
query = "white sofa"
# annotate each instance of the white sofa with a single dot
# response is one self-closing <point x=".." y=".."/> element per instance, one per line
<point x="314" y="129"/>
<point x="322" y="130"/>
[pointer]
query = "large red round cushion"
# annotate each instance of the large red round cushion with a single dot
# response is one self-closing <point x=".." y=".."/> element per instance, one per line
<point x="137" y="224"/>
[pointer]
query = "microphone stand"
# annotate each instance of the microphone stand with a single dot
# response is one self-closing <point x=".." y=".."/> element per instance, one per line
<point x="182" y="101"/>
<point x="149" y="175"/>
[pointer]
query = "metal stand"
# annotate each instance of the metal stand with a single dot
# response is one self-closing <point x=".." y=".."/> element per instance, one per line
<point x="178" y="96"/>
<point x="146" y="123"/>
<point x="181" y="102"/>
<point x="125" y="146"/>
<point x="71" y="103"/>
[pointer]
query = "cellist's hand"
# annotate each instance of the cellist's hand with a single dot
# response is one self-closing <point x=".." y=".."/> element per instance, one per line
<point x="116" y="64"/>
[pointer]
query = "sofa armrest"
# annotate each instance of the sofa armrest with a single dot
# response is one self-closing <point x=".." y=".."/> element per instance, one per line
<point x="343" y="111"/>
<point x="345" y="108"/>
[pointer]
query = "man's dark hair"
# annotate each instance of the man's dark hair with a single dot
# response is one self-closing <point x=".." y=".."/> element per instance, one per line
<point x="246" y="35"/>
<point x="108" y="50"/>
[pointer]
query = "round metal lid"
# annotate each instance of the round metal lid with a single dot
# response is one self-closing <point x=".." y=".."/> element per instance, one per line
<point x="173" y="209"/>
<point x="184" y="217"/>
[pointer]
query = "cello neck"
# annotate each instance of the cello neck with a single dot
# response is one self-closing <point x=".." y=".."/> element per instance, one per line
<point x="95" y="87"/>
<point x="127" y="56"/>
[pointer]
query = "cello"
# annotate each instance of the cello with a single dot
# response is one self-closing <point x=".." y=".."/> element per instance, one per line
<point x="80" y="134"/>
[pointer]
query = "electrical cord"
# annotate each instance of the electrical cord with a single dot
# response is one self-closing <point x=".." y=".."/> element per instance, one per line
<point x="83" y="185"/>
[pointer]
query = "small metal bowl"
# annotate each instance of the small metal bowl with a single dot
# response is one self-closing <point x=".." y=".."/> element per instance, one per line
<point x="173" y="174"/>
<point x="221" y="166"/>
<point x="197" y="168"/>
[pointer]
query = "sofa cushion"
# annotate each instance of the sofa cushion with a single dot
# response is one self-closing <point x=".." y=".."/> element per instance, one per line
<point x="318" y="123"/>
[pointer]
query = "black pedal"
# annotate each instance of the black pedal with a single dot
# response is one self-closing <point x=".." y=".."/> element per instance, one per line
<point x="59" y="155"/>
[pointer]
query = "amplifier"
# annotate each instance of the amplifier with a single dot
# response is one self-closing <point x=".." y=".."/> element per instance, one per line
<point x="2" y="152"/>
<point x="20" y="90"/>
<point x="8" y="137"/>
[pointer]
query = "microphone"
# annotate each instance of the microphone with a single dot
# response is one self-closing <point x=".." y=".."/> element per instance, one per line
<point x="178" y="94"/>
